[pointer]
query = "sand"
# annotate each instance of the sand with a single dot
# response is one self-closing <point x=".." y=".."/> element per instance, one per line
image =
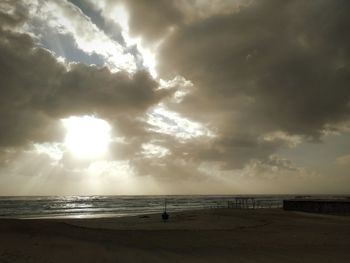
<point x="217" y="235"/>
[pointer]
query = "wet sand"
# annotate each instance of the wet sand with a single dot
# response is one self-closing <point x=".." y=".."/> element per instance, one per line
<point x="217" y="235"/>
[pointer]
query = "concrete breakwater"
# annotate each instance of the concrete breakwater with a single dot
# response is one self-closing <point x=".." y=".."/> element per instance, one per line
<point x="341" y="206"/>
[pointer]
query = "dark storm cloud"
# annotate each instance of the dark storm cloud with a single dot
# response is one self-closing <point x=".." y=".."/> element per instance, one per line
<point x="288" y="59"/>
<point x="20" y="82"/>
<point x="272" y="66"/>
<point x="152" y="20"/>
<point x="36" y="91"/>
<point x="90" y="89"/>
<point x="9" y="18"/>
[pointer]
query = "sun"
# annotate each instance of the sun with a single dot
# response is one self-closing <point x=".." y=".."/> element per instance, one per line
<point x="87" y="137"/>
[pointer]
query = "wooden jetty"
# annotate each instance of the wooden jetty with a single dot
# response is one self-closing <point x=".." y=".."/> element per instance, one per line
<point x="253" y="203"/>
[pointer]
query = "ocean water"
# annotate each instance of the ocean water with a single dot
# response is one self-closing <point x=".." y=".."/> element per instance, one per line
<point x="113" y="206"/>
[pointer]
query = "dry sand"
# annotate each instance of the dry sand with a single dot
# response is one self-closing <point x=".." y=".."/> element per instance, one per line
<point x="218" y="235"/>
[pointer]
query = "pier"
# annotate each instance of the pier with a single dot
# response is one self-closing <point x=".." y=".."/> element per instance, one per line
<point x="253" y="203"/>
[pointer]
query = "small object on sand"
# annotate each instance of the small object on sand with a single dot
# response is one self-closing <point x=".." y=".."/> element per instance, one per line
<point x="165" y="215"/>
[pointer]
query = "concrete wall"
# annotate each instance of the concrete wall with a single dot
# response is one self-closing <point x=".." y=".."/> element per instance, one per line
<point x="318" y="206"/>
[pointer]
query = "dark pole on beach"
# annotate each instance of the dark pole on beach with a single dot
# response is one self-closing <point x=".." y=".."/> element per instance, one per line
<point x="165" y="215"/>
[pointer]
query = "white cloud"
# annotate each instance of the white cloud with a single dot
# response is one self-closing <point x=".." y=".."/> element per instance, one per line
<point x="290" y="140"/>
<point x="53" y="150"/>
<point x="171" y="123"/>
<point x="150" y="150"/>
<point x="110" y="168"/>
<point x="182" y="85"/>
<point x="343" y="160"/>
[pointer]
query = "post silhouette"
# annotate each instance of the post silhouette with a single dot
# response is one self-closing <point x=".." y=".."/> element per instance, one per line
<point x="165" y="215"/>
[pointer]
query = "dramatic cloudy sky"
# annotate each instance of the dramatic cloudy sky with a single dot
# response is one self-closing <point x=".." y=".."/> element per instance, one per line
<point x="196" y="96"/>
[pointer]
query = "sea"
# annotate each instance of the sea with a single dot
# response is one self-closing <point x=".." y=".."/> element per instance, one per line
<point x="35" y="207"/>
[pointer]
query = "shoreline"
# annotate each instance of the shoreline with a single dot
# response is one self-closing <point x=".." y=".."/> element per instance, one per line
<point x="120" y="206"/>
<point x="214" y="235"/>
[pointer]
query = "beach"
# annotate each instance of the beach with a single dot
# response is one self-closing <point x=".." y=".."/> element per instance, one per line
<point x="214" y="235"/>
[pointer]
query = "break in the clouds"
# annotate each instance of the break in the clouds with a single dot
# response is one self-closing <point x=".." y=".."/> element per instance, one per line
<point x="37" y="89"/>
<point x="57" y="23"/>
<point x="225" y="96"/>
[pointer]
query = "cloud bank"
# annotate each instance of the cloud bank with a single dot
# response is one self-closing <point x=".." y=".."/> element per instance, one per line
<point x="238" y="84"/>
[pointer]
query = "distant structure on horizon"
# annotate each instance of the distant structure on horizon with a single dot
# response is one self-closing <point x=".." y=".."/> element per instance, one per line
<point x="322" y="206"/>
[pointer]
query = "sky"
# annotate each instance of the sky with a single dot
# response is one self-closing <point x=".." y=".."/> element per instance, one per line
<point x="174" y="97"/>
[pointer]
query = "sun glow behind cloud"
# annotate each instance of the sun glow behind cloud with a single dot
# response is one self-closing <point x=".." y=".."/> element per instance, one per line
<point x="87" y="137"/>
